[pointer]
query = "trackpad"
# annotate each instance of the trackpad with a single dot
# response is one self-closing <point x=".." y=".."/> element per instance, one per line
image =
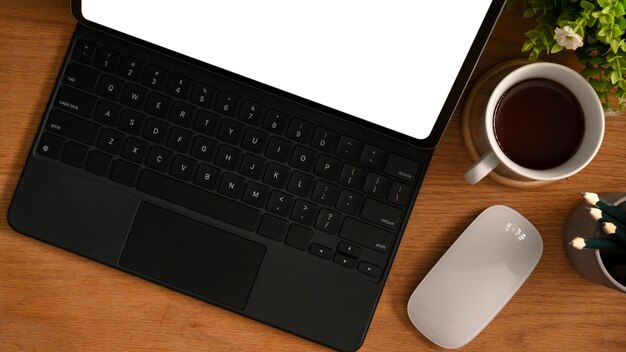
<point x="192" y="256"/>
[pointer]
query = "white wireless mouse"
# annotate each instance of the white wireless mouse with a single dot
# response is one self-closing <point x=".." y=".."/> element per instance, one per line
<point x="476" y="277"/>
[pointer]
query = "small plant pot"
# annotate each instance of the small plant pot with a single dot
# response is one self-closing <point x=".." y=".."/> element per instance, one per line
<point x="602" y="268"/>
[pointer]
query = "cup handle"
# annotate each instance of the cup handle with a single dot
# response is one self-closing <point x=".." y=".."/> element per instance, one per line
<point x="482" y="168"/>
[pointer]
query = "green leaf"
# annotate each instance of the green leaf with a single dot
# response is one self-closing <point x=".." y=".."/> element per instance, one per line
<point x="604" y="3"/>
<point x="555" y="49"/>
<point x="615" y="45"/>
<point x="587" y="6"/>
<point x="533" y="55"/>
<point x="619" y="9"/>
<point x="527" y="46"/>
<point x="597" y="60"/>
<point x="614" y="77"/>
<point x="530" y="12"/>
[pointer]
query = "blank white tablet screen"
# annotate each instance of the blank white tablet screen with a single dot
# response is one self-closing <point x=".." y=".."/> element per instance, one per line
<point x="390" y="62"/>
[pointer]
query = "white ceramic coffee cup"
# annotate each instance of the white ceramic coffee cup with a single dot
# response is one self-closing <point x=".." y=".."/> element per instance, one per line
<point x="592" y="137"/>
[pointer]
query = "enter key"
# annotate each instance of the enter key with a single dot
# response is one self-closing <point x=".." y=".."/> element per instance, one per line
<point x="381" y="213"/>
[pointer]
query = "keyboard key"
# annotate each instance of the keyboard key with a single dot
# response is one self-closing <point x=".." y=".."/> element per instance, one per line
<point x="206" y="122"/>
<point x="304" y="212"/>
<point x="230" y="131"/>
<point x="255" y="194"/>
<point x="157" y="105"/>
<point x="106" y="59"/>
<point x="349" y="249"/>
<point x="227" y="157"/>
<point x="204" y="202"/>
<point x="206" y="176"/>
<point x="278" y="149"/>
<point x="401" y="167"/>
<point x="279" y="203"/>
<point x="298" y="237"/>
<point x="182" y="114"/>
<point x="299" y="131"/>
<point x="83" y="51"/>
<point x="130" y="68"/>
<point x="111" y="141"/>
<point x="75" y="154"/>
<point x="254" y="140"/>
<point x="321" y="251"/>
<point x="226" y="104"/>
<point x="275" y="121"/>
<point x="179" y="140"/>
<point x="75" y="101"/>
<point x="178" y="86"/>
<point x="303" y="158"/>
<point x="399" y="193"/>
<point x="110" y="87"/>
<point x="232" y="186"/>
<point x="202" y="95"/>
<point x="159" y="159"/>
<point x="324" y="139"/>
<point x="344" y="260"/>
<point x="272" y="227"/>
<point x="183" y="168"/>
<point x="252" y="166"/>
<point x="107" y="113"/>
<point x="99" y="163"/>
<point x="154" y="77"/>
<point x="328" y="221"/>
<point x="352" y="176"/>
<point x="348" y="148"/>
<point x="349" y="202"/>
<point x="135" y="150"/>
<point x="276" y="175"/>
<point x="72" y="127"/>
<point x="381" y="213"/>
<point x="124" y="172"/>
<point x="327" y="167"/>
<point x="50" y="145"/>
<point x="300" y="184"/>
<point x="251" y="113"/>
<point x="155" y="131"/>
<point x="370" y="269"/>
<point x="325" y="193"/>
<point x="376" y="185"/>
<point x="372" y="156"/>
<point x="134" y="96"/>
<point x="131" y="122"/>
<point x="203" y="148"/>
<point x="81" y="77"/>
<point x="366" y="235"/>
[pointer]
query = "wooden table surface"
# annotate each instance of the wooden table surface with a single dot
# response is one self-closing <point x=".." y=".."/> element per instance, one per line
<point x="51" y="300"/>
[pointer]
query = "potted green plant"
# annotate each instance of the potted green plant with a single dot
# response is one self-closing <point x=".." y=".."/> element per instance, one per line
<point x="594" y="29"/>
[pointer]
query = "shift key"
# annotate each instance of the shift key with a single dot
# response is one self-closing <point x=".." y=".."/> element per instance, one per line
<point x="366" y="235"/>
<point x="72" y="127"/>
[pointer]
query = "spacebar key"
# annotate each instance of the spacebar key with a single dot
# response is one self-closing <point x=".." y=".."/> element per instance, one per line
<point x="198" y="200"/>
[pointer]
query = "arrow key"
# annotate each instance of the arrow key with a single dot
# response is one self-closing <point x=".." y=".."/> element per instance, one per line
<point x="345" y="260"/>
<point x="321" y="251"/>
<point x="349" y="249"/>
<point x="369" y="269"/>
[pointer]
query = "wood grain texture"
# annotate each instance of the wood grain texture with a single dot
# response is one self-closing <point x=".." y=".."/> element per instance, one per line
<point x="51" y="300"/>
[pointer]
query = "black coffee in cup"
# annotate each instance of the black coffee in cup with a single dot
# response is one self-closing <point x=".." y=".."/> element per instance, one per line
<point x="538" y="124"/>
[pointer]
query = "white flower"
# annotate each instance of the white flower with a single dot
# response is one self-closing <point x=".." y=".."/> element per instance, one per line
<point x="567" y="38"/>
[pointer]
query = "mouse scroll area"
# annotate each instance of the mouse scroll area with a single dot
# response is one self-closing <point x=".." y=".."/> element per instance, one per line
<point x="476" y="277"/>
